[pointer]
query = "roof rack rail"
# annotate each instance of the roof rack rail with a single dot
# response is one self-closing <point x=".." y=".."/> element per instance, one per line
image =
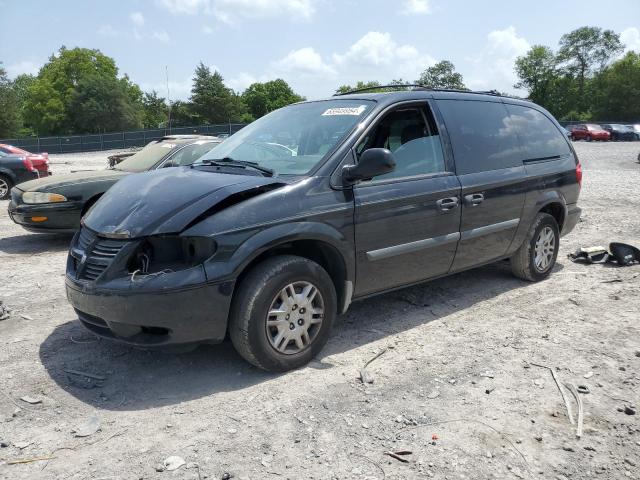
<point x="417" y="86"/>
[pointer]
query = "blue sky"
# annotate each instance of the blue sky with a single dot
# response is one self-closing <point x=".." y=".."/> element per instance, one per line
<point x="315" y="45"/>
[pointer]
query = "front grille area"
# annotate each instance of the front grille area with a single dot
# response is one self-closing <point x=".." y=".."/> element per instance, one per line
<point x="99" y="252"/>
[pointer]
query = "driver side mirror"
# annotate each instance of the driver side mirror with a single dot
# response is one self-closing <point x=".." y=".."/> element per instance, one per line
<point x="373" y="162"/>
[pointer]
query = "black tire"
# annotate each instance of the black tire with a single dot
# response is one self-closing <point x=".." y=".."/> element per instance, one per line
<point x="523" y="262"/>
<point x="5" y="183"/>
<point x="588" y="138"/>
<point x="254" y="298"/>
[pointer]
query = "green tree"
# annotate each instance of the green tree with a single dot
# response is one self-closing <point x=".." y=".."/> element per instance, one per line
<point x="102" y="104"/>
<point x="181" y="114"/>
<point x="374" y="86"/>
<point x="212" y="101"/>
<point x="262" y="98"/>
<point x="10" y="118"/>
<point x="54" y="101"/>
<point x="585" y="52"/>
<point x="616" y="92"/>
<point x="537" y="72"/>
<point x="442" y="75"/>
<point x="156" y="110"/>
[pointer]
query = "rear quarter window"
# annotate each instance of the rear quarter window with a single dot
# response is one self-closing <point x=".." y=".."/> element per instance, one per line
<point x="539" y="135"/>
<point x="482" y="134"/>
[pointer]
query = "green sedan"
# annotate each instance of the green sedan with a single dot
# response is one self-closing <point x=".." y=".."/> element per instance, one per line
<point x="56" y="204"/>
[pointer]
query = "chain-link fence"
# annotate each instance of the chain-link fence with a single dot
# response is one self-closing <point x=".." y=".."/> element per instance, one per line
<point x="110" y="141"/>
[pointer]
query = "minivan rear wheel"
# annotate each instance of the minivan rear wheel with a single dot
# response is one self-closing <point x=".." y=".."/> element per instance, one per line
<point x="537" y="255"/>
<point x="282" y="313"/>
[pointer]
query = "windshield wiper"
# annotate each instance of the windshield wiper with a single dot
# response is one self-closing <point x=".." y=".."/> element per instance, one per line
<point x="230" y="162"/>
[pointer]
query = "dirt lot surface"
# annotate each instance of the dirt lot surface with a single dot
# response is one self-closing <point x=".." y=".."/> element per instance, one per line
<point x="455" y="386"/>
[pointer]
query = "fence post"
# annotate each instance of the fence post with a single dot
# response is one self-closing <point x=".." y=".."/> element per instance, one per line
<point x="101" y="141"/>
<point x="59" y="144"/>
<point x="38" y="140"/>
<point x="229" y="128"/>
<point x="123" y="144"/>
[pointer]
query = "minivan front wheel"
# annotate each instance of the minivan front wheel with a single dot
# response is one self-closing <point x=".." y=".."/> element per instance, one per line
<point x="282" y="313"/>
<point x="537" y="255"/>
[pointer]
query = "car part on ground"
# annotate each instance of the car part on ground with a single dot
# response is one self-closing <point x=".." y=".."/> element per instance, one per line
<point x="60" y="202"/>
<point x="620" y="254"/>
<point x="313" y="206"/>
<point x="115" y="159"/>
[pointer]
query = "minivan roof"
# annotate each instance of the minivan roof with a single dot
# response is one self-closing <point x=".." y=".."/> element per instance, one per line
<point x="384" y="98"/>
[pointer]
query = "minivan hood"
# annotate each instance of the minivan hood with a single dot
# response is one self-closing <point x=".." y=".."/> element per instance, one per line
<point x="165" y="200"/>
<point x="55" y="182"/>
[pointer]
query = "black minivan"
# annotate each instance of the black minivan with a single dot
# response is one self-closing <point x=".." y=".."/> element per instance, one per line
<point x="277" y="230"/>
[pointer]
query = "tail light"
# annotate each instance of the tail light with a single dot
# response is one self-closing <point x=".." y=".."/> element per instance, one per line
<point x="28" y="164"/>
<point x="579" y="174"/>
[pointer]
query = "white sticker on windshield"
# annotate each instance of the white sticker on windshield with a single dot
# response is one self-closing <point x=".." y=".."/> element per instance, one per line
<point x="345" y="111"/>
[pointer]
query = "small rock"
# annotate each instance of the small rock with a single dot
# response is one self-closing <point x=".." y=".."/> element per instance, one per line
<point x="26" y="317"/>
<point x="538" y="438"/>
<point x="31" y="400"/>
<point x="588" y="375"/>
<point x="159" y="468"/>
<point x="568" y="448"/>
<point x="622" y="369"/>
<point x="4" y="444"/>
<point x="583" y="389"/>
<point x="433" y="394"/>
<point x="226" y="476"/>
<point x="637" y="353"/>
<point x="22" y="445"/>
<point x="629" y="410"/>
<point x="173" y="463"/>
<point x="630" y="461"/>
<point x="89" y="427"/>
<point x="489" y="390"/>
<point x="232" y="431"/>
<point x="539" y="382"/>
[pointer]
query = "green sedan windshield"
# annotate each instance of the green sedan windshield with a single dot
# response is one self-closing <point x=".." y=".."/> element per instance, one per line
<point x="293" y="139"/>
<point x="147" y="157"/>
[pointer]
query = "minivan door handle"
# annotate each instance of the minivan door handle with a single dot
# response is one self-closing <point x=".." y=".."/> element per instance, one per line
<point x="446" y="204"/>
<point x="474" y="199"/>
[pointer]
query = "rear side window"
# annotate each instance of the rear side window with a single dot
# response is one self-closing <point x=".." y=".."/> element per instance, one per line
<point x="483" y="135"/>
<point x="540" y="137"/>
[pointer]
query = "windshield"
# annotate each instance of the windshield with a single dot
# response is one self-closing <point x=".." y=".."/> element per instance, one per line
<point x="294" y="139"/>
<point x="147" y="157"/>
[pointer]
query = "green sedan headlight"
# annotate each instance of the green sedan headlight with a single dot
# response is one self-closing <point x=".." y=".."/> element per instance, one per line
<point x="42" y="197"/>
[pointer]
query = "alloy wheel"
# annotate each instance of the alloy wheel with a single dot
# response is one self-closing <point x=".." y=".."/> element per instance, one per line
<point x="4" y="188"/>
<point x="295" y="317"/>
<point x="544" y="249"/>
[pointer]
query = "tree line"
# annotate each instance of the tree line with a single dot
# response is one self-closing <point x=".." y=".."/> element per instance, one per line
<point x="80" y="91"/>
<point x="585" y="78"/>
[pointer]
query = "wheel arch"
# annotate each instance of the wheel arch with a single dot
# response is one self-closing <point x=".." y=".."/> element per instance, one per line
<point x="318" y="242"/>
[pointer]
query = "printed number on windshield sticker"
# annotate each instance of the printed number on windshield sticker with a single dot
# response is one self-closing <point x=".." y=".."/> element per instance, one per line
<point x="344" y="111"/>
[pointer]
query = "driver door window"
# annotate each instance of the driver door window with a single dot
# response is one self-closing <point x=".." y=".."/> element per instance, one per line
<point x="412" y="136"/>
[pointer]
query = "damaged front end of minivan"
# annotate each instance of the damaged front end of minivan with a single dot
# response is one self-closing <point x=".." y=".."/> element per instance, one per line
<point x="135" y="272"/>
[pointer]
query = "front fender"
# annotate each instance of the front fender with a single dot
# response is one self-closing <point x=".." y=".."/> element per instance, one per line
<point x="229" y="264"/>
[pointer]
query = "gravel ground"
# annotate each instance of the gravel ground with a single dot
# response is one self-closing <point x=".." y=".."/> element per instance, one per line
<point x="456" y="385"/>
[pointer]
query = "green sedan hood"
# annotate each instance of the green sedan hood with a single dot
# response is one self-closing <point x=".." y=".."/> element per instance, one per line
<point x="55" y="182"/>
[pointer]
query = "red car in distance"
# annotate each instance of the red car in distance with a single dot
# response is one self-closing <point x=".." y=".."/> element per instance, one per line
<point x="588" y="132"/>
<point x="36" y="162"/>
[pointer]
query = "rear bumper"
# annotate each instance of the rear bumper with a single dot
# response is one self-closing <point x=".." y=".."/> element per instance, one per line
<point x="162" y="318"/>
<point x="573" y="217"/>
<point x="60" y="218"/>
